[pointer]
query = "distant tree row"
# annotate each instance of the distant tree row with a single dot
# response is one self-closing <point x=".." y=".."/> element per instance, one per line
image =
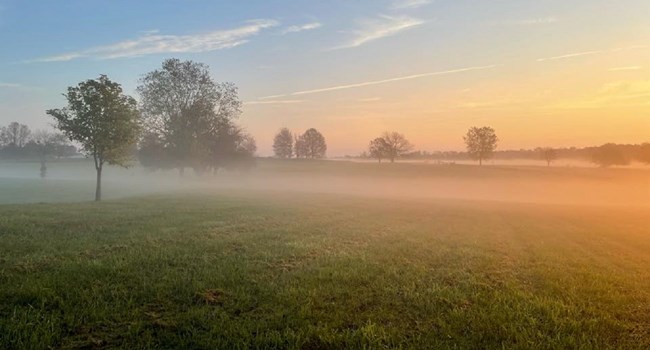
<point x="18" y="142"/>
<point x="481" y="144"/>
<point x="184" y="120"/>
<point x="311" y="144"/>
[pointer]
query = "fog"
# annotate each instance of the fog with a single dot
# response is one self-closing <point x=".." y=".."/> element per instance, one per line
<point x="69" y="181"/>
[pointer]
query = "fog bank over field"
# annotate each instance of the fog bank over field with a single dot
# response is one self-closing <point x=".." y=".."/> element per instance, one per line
<point x="74" y="181"/>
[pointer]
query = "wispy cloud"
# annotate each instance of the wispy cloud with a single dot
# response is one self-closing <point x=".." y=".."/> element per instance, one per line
<point x="154" y="43"/>
<point x="378" y="82"/>
<point x="570" y="55"/>
<point x="302" y="28"/>
<point x="410" y="4"/>
<point x="618" y="69"/>
<point x="594" y="52"/>
<point x="527" y="22"/>
<point x="377" y="28"/>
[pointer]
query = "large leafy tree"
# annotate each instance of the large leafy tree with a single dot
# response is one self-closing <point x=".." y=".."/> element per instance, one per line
<point x="283" y="144"/>
<point x="102" y="120"/>
<point x="481" y="143"/>
<point x="189" y="118"/>
<point x="311" y="144"/>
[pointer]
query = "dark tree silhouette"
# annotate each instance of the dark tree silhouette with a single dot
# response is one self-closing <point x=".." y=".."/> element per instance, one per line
<point x="481" y="143"/>
<point x="283" y="144"/>
<point x="548" y="154"/>
<point x="311" y="144"/>
<point x="395" y="145"/>
<point x="378" y="149"/>
<point x="103" y="120"/>
<point x="608" y="155"/>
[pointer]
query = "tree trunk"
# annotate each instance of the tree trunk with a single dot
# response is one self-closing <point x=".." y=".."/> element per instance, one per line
<point x="98" y="188"/>
<point x="181" y="171"/>
<point x="480" y="161"/>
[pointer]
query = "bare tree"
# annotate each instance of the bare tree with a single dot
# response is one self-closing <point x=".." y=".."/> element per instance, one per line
<point x="395" y="145"/>
<point x="16" y="134"/>
<point x="548" y="154"/>
<point x="283" y="144"/>
<point x="481" y="143"/>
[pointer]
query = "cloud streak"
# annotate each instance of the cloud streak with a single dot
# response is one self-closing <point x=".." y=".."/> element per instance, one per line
<point x="154" y="43"/>
<point x="379" y="82"/>
<point x="410" y="4"/>
<point x="571" y="55"/>
<point x="381" y="27"/>
<point x="302" y="28"/>
<point x="527" y="22"/>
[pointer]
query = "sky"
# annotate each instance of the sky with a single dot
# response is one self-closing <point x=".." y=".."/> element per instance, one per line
<point x="540" y="72"/>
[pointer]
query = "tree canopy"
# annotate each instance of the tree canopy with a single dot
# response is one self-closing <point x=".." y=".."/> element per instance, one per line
<point x="283" y="144"/>
<point x="311" y="145"/>
<point x="189" y="118"/>
<point x="102" y="120"/>
<point x="481" y="143"/>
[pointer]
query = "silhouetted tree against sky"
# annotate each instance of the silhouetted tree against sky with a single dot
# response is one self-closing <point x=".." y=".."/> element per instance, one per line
<point x="608" y="155"/>
<point x="189" y="112"/>
<point x="378" y="149"/>
<point x="481" y="143"/>
<point x="548" y="154"/>
<point x="103" y="120"/>
<point x="283" y="144"/>
<point x="395" y="145"/>
<point x="311" y="144"/>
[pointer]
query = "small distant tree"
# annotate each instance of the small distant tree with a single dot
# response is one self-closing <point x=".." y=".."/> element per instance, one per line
<point x="47" y="144"/>
<point x="103" y="120"/>
<point x="311" y="144"/>
<point x="15" y="134"/>
<point x="481" y="143"/>
<point x="548" y="154"/>
<point x="283" y="144"/>
<point x="609" y="155"/>
<point x="395" y="145"/>
<point x="378" y="149"/>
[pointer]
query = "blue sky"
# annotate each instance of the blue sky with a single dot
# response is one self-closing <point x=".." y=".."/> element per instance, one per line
<point x="355" y="68"/>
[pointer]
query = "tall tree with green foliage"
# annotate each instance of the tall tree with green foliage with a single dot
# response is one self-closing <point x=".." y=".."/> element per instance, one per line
<point x="103" y="120"/>
<point x="189" y="115"/>
<point x="481" y="143"/>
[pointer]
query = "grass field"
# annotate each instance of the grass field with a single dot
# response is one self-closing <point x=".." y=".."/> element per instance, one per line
<point x="237" y="268"/>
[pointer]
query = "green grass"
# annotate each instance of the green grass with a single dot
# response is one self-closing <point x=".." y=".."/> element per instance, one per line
<point x="268" y="270"/>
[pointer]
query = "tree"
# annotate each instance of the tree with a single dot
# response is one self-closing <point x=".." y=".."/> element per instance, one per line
<point x="378" y="149"/>
<point x="190" y="114"/>
<point x="608" y="155"/>
<point x="395" y="145"/>
<point x="283" y="144"/>
<point x="644" y="153"/>
<point x="548" y="154"/>
<point x="481" y="143"/>
<point x="15" y="134"/>
<point x="47" y="144"/>
<point x="103" y="120"/>
<point x="311" y="144"/>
